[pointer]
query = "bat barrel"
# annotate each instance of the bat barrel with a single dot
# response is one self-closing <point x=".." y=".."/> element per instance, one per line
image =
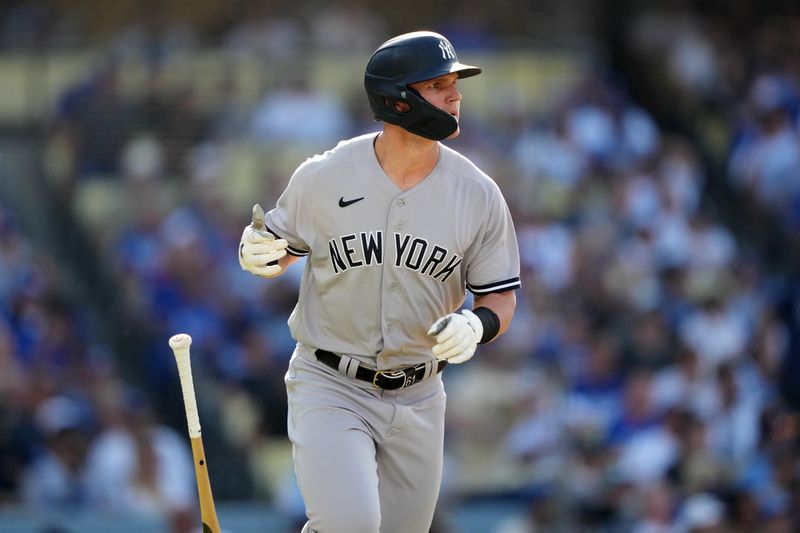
<point x="208" y="511"/>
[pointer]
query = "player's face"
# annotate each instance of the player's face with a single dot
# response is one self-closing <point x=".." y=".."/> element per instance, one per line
<point x="442" y="93"/>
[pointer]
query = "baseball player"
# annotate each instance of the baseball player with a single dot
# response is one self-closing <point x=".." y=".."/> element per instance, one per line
<point x="396" y="227"/>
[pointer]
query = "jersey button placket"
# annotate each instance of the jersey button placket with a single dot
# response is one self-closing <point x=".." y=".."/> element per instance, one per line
<point x="391" y="286"/>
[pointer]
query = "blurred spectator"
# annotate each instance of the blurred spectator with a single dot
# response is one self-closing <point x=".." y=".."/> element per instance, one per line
<point x="765" y="162"/>
<point x="734" y="428"/>
<point x="608" y="127"/>
<point x="539" y="514"/>
<point x="596" y="394"/>
<point x="349" y="26"/>
<point x="696" y="467"/>
<point x="646" y="446"/>
<point x="97" y="122"/>
<point x="657" y="502"/>
<point x="267" y="29"/>
<point x="298" y="113"/>
<point x="650" y="344"/>
<point x="44" y="349"/>
<point x="701" y="513"/>
<point x="546" y="159"/>
<point x="39" y="25"/>
<point x="685" y="384"/>
<point x="55" y="479"/>
<point x="548" y="251"/>
<point x="789" y="374"/>
<point x="730" y="334"/>
<point x="152" y="38"/>
<point x="670" y="33"/>
<point x="137" y="465"/>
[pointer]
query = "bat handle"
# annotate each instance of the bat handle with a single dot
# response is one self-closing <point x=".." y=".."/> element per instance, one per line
<point x="180" y="348"/>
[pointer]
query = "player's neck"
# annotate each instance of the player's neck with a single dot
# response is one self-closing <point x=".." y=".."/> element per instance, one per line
<point x="406" y="158"/>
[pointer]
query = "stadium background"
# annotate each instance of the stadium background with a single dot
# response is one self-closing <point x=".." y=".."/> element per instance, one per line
<point x="650" y="152"/>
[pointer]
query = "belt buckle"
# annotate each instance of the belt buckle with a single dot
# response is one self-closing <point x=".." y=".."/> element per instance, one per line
<point x="391" y="374"/>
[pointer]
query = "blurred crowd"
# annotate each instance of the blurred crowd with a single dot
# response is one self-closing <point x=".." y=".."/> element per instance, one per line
<point x="649" y="382"/>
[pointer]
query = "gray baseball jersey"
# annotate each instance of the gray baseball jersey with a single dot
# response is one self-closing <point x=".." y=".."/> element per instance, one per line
<point x="384" y="264"/>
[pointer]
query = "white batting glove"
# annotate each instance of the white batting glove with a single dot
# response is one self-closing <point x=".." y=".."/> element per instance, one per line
<point x="457" y="336"/>
<point x="258" y="248"/>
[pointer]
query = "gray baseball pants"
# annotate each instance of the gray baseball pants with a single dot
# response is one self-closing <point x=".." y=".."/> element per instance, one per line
<point x="367" y="460"/>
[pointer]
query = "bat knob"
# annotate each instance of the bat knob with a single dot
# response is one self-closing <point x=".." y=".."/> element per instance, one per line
<point x="180" y="341"/>
<point x="258" y="217"/>
<point x="439" y="327"/>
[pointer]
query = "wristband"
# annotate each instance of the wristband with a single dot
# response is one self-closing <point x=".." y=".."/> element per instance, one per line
<point x="490" y="321"/>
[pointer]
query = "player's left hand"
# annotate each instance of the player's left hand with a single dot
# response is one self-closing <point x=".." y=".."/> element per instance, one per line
<point x="457" y="336"/>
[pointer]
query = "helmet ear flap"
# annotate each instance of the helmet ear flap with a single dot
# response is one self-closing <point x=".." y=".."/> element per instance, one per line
<point x="399" y="106"/>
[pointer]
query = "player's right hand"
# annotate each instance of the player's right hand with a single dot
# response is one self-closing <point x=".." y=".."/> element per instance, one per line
<point x="259" y="250"/>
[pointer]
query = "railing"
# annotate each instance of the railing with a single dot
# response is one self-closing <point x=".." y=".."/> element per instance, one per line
<point x="31" y="83"/>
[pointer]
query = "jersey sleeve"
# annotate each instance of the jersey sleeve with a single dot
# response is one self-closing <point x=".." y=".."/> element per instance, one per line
<point x="494" y="265"/>
<point x="288" y="220"/>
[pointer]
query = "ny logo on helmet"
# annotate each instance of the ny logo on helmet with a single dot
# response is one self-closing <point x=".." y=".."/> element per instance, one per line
<point x="447" y="50"/>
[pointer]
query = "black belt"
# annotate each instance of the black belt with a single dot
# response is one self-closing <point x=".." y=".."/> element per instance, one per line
<point x="394" y="379"/>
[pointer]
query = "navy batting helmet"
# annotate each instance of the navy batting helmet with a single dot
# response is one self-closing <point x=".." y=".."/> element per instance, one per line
<point x="407" y="59"/>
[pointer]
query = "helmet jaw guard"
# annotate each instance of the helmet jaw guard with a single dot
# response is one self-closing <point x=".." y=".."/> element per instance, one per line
<point x="421" y="119"/>
<point x="408" y="59"/>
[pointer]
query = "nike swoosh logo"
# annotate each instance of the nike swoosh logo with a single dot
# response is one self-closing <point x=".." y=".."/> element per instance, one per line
<point x="343" y="203"/>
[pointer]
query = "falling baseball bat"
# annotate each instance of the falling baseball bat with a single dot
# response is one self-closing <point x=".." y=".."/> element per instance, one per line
<point x="180" y="347"/>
